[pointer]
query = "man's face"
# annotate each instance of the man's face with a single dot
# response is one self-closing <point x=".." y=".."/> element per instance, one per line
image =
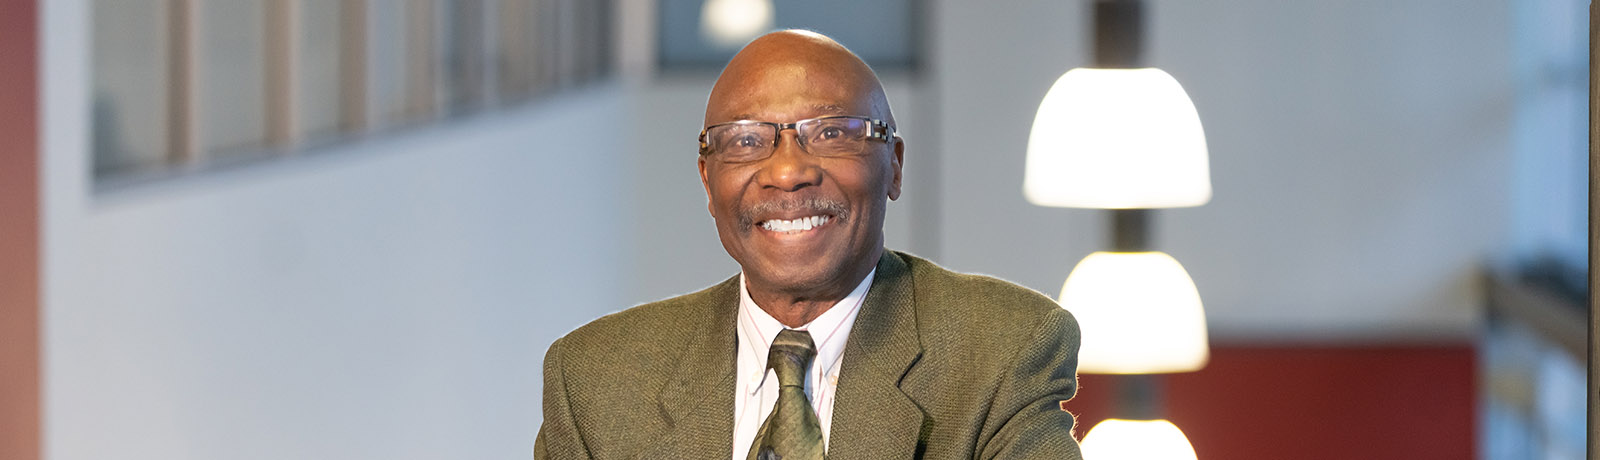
<point x="755" y="203"/>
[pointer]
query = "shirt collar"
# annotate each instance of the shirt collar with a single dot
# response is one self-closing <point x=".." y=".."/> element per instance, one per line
<point x="829" y="331"/>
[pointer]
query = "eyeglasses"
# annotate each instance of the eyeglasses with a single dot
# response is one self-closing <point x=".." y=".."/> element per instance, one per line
<point x="836" y="136"/>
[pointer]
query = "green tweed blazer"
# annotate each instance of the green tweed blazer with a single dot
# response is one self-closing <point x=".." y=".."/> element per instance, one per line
<point x="939" y="365"/>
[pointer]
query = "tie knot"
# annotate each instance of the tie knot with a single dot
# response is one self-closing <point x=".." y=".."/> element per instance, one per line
<point x="791" y="356"/>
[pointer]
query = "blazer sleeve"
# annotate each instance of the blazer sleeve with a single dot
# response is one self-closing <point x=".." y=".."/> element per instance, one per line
<point x="1027" y="407"/>
<point x="558" y="436"/>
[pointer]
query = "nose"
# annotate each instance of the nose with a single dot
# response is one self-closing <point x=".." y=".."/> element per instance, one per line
<point x="790" y="169"/>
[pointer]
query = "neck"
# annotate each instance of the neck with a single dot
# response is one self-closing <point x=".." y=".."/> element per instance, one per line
<point x="794" y="312"/>
<point x="797" y="308"/>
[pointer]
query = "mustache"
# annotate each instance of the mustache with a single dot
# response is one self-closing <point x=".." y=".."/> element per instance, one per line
<point x="750" y="215"/>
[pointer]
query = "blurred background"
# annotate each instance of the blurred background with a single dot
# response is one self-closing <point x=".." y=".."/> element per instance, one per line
<point x="343" y="229"/>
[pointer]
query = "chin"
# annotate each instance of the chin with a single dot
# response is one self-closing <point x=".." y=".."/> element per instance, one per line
<point x="823" y="277"/>
<point x="800" y="279"/>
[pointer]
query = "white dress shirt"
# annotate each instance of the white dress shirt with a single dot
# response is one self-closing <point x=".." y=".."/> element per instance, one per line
<point x="757" y="389"/>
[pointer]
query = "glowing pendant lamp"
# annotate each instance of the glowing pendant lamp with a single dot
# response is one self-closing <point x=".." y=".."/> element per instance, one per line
<point x="1125" y="137"/>
<point x="1140" y="314"/>
<point x="1137" y="440"/>
<point x="1117" y="139"/>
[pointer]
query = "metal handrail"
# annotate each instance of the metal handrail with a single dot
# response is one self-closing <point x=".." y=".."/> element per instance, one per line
<point x="1556" y="317"/>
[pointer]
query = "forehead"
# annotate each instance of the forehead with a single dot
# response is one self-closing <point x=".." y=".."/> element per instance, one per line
<point x="784" y="93"/>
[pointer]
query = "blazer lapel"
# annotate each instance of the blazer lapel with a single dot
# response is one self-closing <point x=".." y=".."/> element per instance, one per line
<point x="872" y="418"/>
<point x="698" y="400"/>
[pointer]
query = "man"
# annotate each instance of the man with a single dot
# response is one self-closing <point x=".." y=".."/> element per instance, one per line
<point x="825" y="344"/>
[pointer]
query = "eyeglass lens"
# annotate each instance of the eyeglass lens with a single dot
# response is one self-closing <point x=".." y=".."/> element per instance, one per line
<point x="826" y="137"/>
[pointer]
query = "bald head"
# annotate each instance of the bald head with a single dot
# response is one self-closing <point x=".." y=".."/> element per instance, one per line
<point x="806" y="228"/>
<point x="790" y="75"/>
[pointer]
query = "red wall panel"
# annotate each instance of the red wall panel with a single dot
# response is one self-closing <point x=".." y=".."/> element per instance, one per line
<point x="1316" y="402"/>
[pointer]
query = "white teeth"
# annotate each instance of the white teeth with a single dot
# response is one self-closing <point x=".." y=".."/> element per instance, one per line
<point x="797" y="225"/>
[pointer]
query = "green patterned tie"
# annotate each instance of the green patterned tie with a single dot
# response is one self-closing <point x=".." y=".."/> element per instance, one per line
<point x="792" y="431"/>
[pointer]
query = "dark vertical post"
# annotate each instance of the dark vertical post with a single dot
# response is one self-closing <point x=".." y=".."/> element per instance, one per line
<point x="1130" y="230"/>
<point x="1118" y="34"/>
<point x="1139" y="396"/>
<point x="1119" y="44"/>
<point x="1594" y="251"/>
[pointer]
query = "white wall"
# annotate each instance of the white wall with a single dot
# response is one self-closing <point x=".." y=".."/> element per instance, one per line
<point x="1359" y="154"/>
<point x="387" y="299"/>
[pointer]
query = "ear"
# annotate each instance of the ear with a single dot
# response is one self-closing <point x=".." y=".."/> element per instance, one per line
<point x="705" y="182"/>
<point x="895" y="165"/>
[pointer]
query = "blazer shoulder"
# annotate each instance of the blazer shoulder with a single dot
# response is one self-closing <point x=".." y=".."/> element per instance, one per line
<point x="939" y="283"/>
<point x="649" y="325"/>
<point x="946" y="298"/>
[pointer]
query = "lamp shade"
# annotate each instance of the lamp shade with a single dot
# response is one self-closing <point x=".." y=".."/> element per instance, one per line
<point x="1117" y="139"/>
<point x="1116" y="439"/>
<point x="1139" y="314"/>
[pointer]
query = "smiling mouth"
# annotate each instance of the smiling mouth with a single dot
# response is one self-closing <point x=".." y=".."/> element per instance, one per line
<point x="791" y="216"/>
<point x="795" y="226"/>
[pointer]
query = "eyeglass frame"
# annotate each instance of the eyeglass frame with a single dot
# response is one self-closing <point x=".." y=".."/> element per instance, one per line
<point x="878" y="130"/>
